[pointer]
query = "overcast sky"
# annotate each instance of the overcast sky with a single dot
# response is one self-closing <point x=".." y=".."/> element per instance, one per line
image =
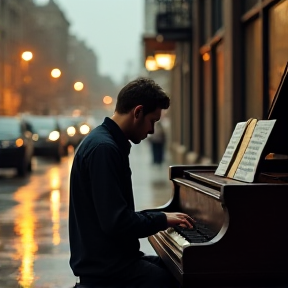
<point x="112" y="28"/>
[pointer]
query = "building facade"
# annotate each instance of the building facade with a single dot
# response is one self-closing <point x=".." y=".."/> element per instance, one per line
<point x="28" y="86"/>
<point x="11" y="44"/>
<point x="227" y="72"/>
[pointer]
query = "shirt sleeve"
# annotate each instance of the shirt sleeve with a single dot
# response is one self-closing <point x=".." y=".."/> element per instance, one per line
<point x="105" y="166"/>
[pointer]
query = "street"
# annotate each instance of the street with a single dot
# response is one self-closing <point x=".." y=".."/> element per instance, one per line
<point x="34" y="245"/>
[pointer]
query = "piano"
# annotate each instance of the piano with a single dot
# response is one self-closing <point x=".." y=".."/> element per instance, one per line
<point x="241" y="233"/>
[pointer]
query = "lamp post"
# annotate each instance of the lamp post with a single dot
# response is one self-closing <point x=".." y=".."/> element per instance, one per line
<point x="107" y="100"/>
<point x="26" y="57"/>
<point x="57" y="101"/>
<point x="78" y="87"/>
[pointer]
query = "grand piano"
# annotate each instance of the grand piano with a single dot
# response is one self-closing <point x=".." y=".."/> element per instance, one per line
<point x="241" y="234"/>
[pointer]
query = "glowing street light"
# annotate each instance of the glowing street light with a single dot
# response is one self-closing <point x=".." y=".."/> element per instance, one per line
<point x="165" y="60"/>
<point x="206" y="56"/>
<point x="55" y="73"/>
<point x="107" y="100"/>
<point x="27" y="55"/>
<point x="151" y="64"/>
<point x="78" y="86"/>
<point x="161" y="60"/>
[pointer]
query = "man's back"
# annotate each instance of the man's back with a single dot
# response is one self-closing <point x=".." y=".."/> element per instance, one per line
<point x="97" y="247"/>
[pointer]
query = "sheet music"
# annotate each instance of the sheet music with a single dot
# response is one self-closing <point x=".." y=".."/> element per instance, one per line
<point x="231" y="148"/>
<point x="249" y="162"/>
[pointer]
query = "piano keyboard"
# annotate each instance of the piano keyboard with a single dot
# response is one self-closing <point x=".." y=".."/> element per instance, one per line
<point x="184" y="236"/>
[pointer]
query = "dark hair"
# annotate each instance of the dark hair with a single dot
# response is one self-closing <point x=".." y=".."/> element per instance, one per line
<point x="142" y="91"/>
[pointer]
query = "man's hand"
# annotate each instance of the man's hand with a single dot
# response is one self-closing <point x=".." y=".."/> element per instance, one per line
<point x="177" y="218"/>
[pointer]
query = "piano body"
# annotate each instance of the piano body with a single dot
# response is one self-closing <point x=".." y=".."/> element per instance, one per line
<point x="246" y="223"/>
<point x="242" y="229"/>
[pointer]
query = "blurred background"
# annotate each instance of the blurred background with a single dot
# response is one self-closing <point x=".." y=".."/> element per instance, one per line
<point x="220" y="61"/>
<point x="62" y="64"/>
<point x="61" y="56"/>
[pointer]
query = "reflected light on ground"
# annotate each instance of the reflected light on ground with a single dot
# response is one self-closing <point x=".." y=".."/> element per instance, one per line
<point x="55" y="211"/>
<point x="25" y="228"/>
<point x="54" y="175"/>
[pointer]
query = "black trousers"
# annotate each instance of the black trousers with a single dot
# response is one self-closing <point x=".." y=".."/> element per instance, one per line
<point x="146" y="272"/>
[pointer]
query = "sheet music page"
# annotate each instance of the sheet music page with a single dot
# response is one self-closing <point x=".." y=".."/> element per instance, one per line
<point x="249" y="162"/>
<point x="244" y="143"/>
<point x="231" y="148"/>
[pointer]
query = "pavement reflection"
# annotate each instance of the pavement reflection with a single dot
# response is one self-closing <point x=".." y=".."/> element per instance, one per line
<point x="55" y="211"/>
<point x="25" y="244"/>
<point x="33" y="232"/>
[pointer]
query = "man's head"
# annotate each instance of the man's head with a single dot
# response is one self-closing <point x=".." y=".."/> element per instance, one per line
<point x="139" y="105"/>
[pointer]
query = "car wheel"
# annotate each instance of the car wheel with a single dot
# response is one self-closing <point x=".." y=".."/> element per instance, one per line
<point x="65" y="152"/>
<point x="29" y="168"/>
<point x="58" y="157"/>
<point x="22" y="169"/>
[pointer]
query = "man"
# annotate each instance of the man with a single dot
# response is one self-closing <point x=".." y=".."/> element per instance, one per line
<point x="104" y="229"/>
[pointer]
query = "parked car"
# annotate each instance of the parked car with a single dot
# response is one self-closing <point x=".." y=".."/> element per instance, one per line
<point x="74" y="128"/>
<point x="47" y="136"/>
<point x="16" y="145"/>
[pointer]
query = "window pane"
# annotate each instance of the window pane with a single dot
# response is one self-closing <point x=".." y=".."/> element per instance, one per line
<point x="278" y="41"/>
<point x="216" y="15"/>
<point x="253" y="68"/>
<point x="204" y="21"/>
<point x="221" y="117"/>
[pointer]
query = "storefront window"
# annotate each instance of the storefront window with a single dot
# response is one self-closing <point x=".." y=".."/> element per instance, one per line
<point x="221" y="117"/>
<point x="253" y="70"/>
<point x="278" y="25"/>
<point x="216" y="15"/>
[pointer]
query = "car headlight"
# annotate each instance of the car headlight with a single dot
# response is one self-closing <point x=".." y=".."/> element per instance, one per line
<point x="54" y="135"/>
<point x="35" y="137"/>
<point x="71" y="131"/>
<point x="84" y="129"/>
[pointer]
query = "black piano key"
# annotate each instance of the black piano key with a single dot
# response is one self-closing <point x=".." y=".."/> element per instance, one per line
<point x="198" y="234"/>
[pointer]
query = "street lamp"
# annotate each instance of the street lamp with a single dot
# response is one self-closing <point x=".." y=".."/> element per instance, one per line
<point x="161" y="60"/>
<point x="107" y="100"/>
<point x="56" y="73"/>
<point x="57" y="100"/>
<point x="165" y="60"/>
<point x="151" y="64"/>
<point x="78" y="86"/>
<point x="27" y="56"/>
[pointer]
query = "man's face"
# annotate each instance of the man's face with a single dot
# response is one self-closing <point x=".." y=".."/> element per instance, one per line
<point x="144" y="125"/>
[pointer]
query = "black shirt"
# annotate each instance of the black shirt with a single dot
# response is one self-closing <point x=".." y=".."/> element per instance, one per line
<point x="103" y="226"/>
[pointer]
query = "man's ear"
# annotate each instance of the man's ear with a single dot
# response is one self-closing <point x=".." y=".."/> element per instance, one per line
<point x="137" y="111"/>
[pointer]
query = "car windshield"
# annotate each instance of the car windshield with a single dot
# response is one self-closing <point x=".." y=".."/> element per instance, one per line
<point x="42" y="124"/>
<point x="9" y="128"/>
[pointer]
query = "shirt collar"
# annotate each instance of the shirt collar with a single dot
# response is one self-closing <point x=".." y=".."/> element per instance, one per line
<point x="117" y="134"/>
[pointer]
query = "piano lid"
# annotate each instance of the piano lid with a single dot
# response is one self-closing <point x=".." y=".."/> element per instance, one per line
<point x="279" y="110"/>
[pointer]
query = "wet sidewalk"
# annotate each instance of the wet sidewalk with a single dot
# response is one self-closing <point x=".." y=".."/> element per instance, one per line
<point x="151" y="184"/>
